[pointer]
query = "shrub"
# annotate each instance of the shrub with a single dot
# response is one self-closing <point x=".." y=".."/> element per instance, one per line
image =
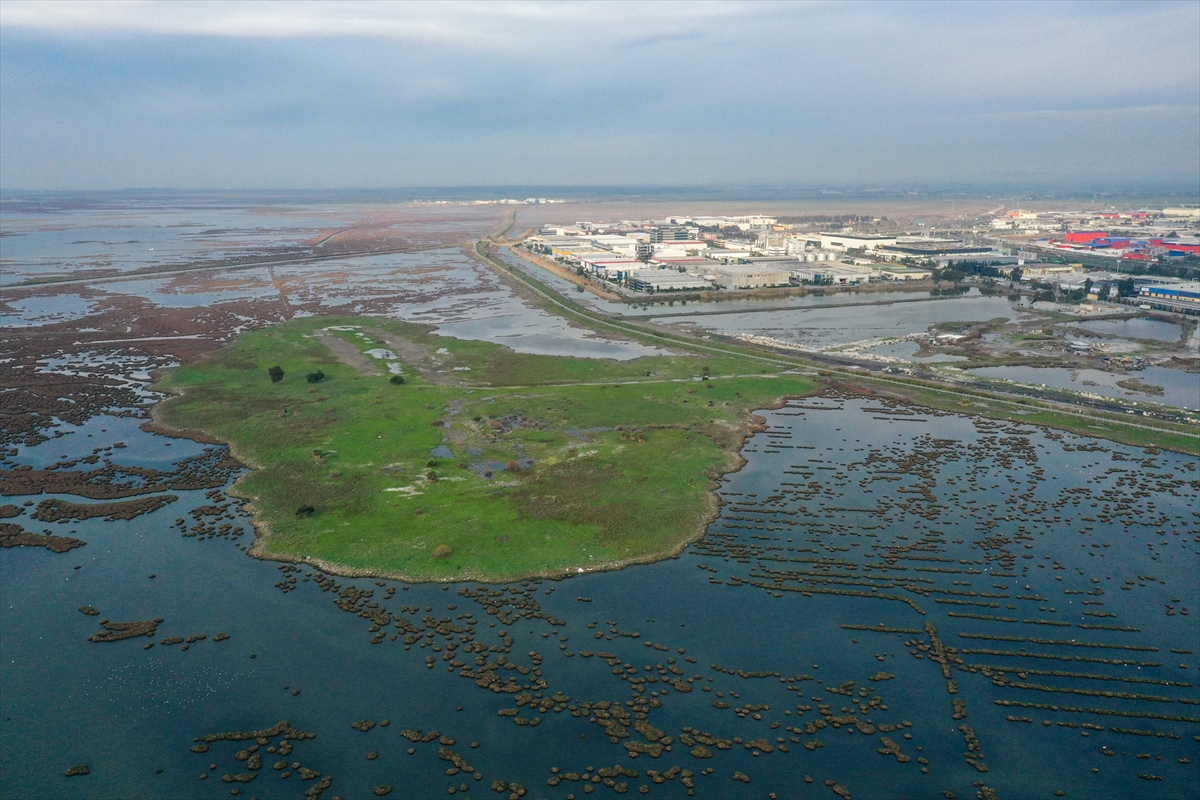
<point x="276" y="374"/>
<point x="397" y="379"/>
<point x="304" y="512"/>
<point x="512" y="465"/>
<point x="315" y="377"/>
<point x="441" y="551"/>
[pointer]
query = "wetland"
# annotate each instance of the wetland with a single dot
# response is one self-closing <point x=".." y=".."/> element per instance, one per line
<point x="888" y="599"/>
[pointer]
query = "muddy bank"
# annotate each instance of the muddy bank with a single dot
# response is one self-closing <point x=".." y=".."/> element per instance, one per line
<point x="210" y="470"/>
<point x="13" y="535"/>
<point x="66" y="511"/>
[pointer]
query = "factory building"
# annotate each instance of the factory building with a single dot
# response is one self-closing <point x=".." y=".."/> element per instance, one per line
<point x="664" y="280"/>
<point x="830" y="275"/>
<point x="889" y="273"/>
<point x="1042" y="269"/>
<point x="750" y="276"/>
<point x="1183" y="297"/>
<point x="855" y="241"/>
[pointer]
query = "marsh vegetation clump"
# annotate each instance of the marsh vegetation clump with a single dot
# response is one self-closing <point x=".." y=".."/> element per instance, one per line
<point x="441" y="551"/>
<point x="315" y="377"/>
<point x="275" y="373"/>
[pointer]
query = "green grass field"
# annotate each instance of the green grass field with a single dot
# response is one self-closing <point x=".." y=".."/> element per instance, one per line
<point x="608" y="472"/>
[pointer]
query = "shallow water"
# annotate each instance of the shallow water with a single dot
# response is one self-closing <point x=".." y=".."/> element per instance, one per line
<point x="1180" y="389"/>
<point x="820" y="484"/>
<point x="126" y="239"/>
<point x="908" y="351"/>
<point x="929" y="501"/>
<point x="43" y="310"/>
<point x="1139" y="328"/>
<point x="819" y="327"/>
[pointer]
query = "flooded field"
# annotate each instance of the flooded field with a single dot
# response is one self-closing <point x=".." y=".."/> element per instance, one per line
<point x="892" y="602"/>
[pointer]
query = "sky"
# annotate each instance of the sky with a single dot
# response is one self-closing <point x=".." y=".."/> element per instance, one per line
<point x="280" y="95"/>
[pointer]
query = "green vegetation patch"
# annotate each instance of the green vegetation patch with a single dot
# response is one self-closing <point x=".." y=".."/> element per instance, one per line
<point x="484" y="463"/>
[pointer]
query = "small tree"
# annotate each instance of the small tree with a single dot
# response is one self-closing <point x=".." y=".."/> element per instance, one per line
<point x="315" y="377"/>
<point x="304" y="512"/>
<point x="397" y="379"/>
<point x="276" y="374"/>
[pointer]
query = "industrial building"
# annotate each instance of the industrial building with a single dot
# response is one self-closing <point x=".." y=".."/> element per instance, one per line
<point x="1184" y="297"/>
<point x="1042" y="269"/>
<point x="930" y="247"/>
<point x="830" y="275"/>
<point x="664" y="280"/>
<point x="751" y="276"/>
<point x="897" y="273"/>
<point x="855" y="241"/>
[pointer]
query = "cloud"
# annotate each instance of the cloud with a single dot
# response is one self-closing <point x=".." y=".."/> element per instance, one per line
<point x="283" y="94"/>
<point x="465" y="24"/>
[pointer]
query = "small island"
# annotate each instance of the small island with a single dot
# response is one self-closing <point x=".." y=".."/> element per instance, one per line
<point x="380" y="448"/>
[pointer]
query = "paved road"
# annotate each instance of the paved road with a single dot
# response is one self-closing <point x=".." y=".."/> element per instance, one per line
<point x="1023" y="402"/>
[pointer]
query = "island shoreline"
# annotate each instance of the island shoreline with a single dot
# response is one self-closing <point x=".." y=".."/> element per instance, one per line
<point x="262" y="527"/>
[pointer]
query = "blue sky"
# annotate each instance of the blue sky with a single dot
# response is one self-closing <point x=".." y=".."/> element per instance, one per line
<point x="292" y="95"/>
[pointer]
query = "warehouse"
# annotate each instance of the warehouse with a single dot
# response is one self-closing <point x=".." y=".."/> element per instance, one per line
<point x="855" y="241"/>
<point x="831" y="275"/>
<point x="1184" y="297"/>
<point x="664" y="280"/>
<point x="750" y="276"/>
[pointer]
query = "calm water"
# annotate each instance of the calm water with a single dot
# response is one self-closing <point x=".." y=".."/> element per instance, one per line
<point x="820" y="327"/>
<point x="55" y="243"/>
<point x="908" y="351"/>
<point x="953" y="506"/>
<point x="1041" y="532"/>
<point x="1139" y="328"/>
<point x="1180" y="389"/>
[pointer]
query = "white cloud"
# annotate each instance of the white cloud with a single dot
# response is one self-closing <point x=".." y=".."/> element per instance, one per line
<point x="462" y="23"/>
<point x="468" y="92"/>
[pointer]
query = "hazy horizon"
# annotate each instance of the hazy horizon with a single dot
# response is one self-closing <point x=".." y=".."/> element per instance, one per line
<point x="1049" y="97"/>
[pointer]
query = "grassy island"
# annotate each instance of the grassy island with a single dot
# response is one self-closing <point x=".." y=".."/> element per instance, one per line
<point x="387" y="450"/>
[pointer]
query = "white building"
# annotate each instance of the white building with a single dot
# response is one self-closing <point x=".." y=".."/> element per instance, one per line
<point x="853" y="241"/>
<point x="664" y="280"/>
<point x="750" y="276"/>
<point x="1037" y="271"/>
<point x="831" y="275"/>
